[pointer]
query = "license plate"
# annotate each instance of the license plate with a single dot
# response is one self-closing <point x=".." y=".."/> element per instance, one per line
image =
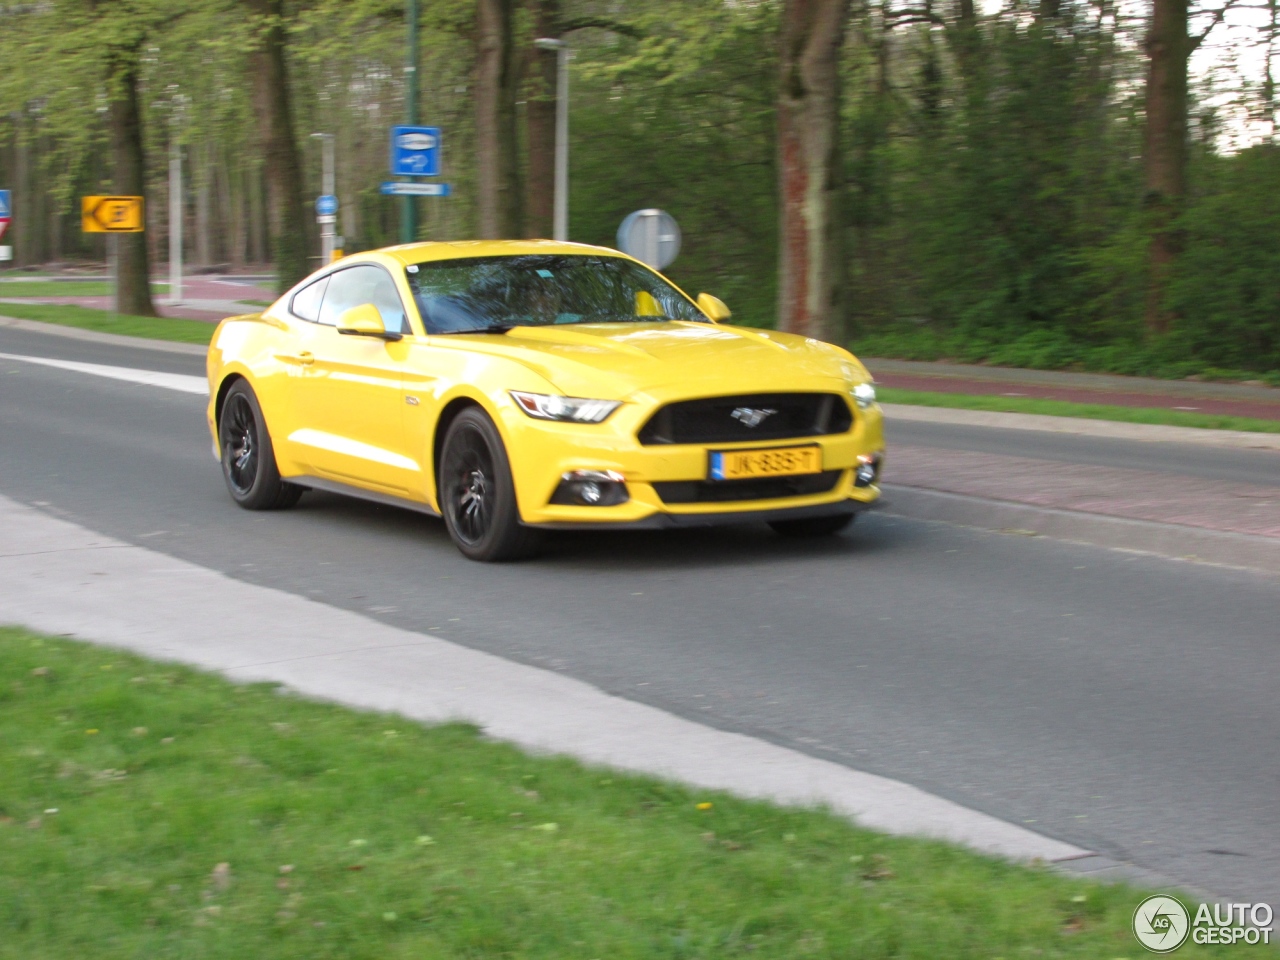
<point x="774" y="462"/>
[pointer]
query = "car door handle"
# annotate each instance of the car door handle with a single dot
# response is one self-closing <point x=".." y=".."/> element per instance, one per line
<point x="304" y="357"/>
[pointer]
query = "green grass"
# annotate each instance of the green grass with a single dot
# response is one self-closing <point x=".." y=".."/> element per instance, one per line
<point x="1064" y="408"/>
<point x="155" y="328"/>
<point x="195" y="818"/>
<point x="256" y="303"/>
<point x="64" y="288"/>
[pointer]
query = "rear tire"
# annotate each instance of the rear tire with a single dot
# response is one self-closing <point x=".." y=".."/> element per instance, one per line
<point x="477" y="494"/>
<point x="248" y="457"/>
<point x="813" y="526"/>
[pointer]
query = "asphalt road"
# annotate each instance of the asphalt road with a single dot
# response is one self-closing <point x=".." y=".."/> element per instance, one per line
<point x="1121" y="702"/>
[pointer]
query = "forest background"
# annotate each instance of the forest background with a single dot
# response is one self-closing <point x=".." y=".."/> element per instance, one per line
<point x="1030" y="182"/>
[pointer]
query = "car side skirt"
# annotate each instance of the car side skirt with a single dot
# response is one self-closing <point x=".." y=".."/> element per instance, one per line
<point x="349" y="490"/>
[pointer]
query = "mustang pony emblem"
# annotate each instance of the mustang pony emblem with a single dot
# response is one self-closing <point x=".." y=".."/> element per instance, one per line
<point x="752" y="416"/>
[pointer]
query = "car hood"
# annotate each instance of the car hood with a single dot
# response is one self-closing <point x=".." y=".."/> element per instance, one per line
<point x="614" y="361"/>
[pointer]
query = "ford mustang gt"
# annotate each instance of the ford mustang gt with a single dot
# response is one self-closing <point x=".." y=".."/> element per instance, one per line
<point x="512" y="387"/>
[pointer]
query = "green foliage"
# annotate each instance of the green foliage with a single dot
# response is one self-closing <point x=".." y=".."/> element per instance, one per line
<point x="992" y="191"/>
<point x="150" y="811"/>
<point x="1226" y="292"/>
<point x="683" y="120"/>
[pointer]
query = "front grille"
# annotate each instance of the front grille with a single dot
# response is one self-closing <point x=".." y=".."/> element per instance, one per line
<point x="763" y="488"/>
<point x="713" y="419"/>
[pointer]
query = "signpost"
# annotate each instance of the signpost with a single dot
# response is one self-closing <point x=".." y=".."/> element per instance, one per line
<point x="112" y="215"/>
<point x="392" y="188"/>
<point x="6" y="215"/>
<point x="327" y="217"/>
<point x="327" y="202"/>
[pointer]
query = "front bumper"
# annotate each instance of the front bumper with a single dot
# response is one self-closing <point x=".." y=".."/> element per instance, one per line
<point x="672" y="521"/>
<point x="542" y="452"/>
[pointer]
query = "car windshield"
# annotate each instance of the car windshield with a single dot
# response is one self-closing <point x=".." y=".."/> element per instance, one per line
<point x="480" y="293"/>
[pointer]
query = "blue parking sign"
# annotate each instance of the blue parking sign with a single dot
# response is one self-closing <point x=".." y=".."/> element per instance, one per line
<point x="5" y="205"/>
<point x="415" y="151"/>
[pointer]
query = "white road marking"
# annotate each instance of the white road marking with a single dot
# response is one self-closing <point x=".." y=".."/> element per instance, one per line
<point x="181" y="382"/>
<point x="169" y="609"/>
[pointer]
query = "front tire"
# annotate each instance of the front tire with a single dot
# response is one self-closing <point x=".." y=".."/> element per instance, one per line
<point x="477" y="493"/>
<point x="813" y="526"/>
<point x="248" y="457"/>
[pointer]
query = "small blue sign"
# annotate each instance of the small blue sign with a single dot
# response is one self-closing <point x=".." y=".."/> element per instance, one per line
<point x="415" y="152"/>
<point x="393" y="189"/>
<point x="5" y="205"/>
<point x="326" y="205"/>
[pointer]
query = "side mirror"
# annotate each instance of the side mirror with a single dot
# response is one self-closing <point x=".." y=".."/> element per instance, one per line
<point x="365" y="321"/>
<point x="713" y="307"/>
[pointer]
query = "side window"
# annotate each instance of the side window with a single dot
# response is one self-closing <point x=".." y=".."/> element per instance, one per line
<point x="365" y="283"/>
<point x="306" y="302"/>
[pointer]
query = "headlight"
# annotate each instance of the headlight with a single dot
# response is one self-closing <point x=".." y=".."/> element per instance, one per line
<point x="573" y="409"/>
<point x="864" y="394"/>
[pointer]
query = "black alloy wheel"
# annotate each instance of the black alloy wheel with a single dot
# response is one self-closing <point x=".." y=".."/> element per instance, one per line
<point x="476" y="492"/>
<point x="248" y="457"/>
<point x="813" y="526"/>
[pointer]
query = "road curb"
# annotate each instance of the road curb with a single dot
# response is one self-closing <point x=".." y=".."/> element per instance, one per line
<point x="1164" y="539"/>
<point x="1082" y="426"/>
<point x="95" y="336"/>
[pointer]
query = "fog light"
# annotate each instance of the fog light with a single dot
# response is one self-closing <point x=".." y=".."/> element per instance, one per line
<point x="591" y="488"/>
<point x="868" y="469"/>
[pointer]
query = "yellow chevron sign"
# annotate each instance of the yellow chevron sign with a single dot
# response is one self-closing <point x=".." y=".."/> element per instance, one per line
<point x="111" y="214"/>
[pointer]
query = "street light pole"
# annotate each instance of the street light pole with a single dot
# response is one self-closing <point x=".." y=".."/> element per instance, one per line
<point x="327" y="187"/>
<point x="409" y="205"/>
<point x="560" y="205"/>
<point x="175" y="222"/>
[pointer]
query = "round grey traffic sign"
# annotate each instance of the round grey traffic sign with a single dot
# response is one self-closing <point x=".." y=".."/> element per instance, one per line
<point x="651" y="236"/>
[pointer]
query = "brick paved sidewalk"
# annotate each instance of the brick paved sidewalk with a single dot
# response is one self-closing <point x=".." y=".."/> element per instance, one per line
<point x="1246" y="508"/>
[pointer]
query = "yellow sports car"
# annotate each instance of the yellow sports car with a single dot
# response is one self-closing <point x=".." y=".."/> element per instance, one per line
<point x="519" y="386"/>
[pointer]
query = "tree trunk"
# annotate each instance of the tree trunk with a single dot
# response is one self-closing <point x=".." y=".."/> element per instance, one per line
<point x="541" y="125"/>
<point x="811" y="262"/>
<point x="1165" y="149"/>
<point x="498" y="178"/>
<point x="282" y="166"/>
<point x="133" y="268"/>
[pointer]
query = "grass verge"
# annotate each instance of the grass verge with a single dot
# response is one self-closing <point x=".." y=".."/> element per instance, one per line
<point x="64" y="288"/>
<point x="155" y="328"/>
<point x="150" y="810"/>
<point x="1064" y="408"/>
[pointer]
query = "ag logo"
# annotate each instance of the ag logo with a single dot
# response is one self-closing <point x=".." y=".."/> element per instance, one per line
<point x="1161" y="924"/>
